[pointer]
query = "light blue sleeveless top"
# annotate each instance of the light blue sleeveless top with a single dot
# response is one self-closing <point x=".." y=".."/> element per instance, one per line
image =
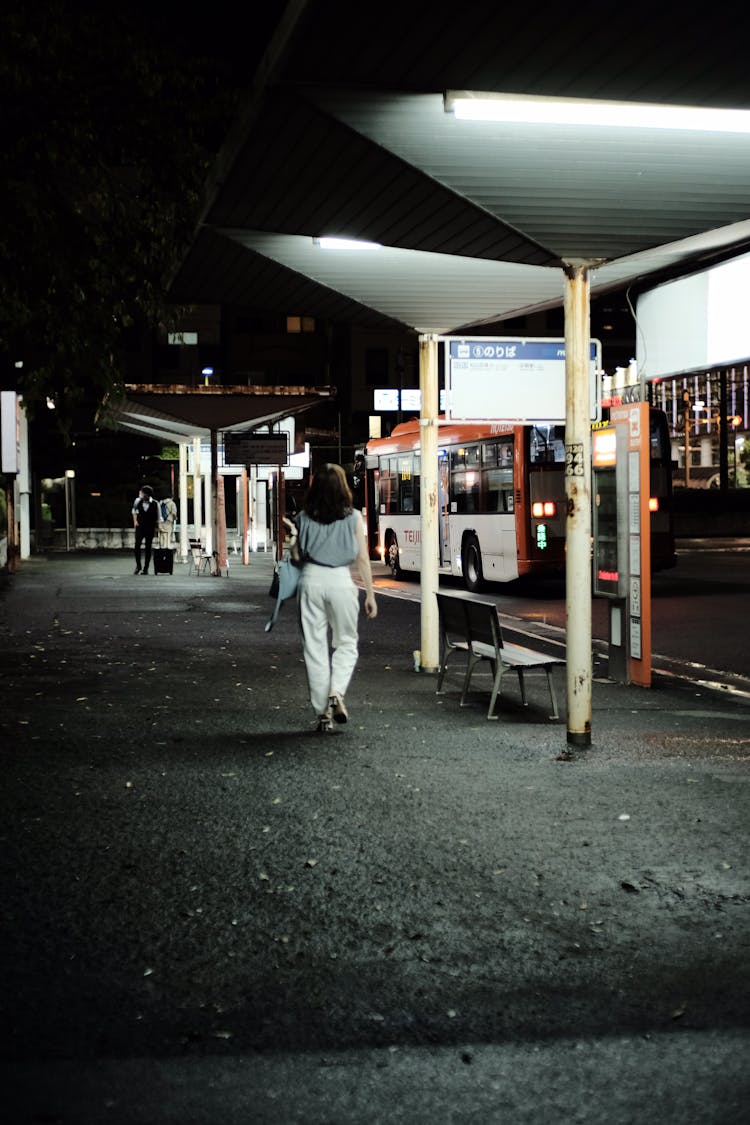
<point x="328" y="544"/>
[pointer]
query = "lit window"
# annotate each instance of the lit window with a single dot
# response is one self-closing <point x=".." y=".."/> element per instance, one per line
<point x="297" y="324"/>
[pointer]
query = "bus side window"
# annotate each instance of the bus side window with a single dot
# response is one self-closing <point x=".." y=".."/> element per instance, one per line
<point x="465" y="491"/>
<point x="416" y="483"/>
<point x="388" y="490"/>
<point x="498" y="490"/>
<point x="408" y="484"/>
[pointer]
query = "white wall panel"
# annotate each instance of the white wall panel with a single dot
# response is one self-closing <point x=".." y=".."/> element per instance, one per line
<point x="696" y="322"/>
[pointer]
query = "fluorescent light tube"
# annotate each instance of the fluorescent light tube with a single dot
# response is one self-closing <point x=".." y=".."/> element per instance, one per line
<point x="327" y="243"/>
<point x="469" y="106"/>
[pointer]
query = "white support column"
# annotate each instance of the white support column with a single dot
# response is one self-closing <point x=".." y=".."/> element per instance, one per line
<point x="260" y="527"/>
<point x="428" y="496"/>
<point x="197" y="505"/>
<point x="579" y="664"/>
<point x="210" y="498"/>
<point x="24" y="485"/>
<point x="244" y="525"/>
<point x="253" y="508"/>
<point x="183" y="494"/>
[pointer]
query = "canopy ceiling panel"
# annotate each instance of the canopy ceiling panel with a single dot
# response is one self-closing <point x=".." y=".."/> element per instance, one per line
<point x="579" y="191"/>
<point x="303" y="172"/>
<point x="219" y="269"/>
<point x="428" y="292"/>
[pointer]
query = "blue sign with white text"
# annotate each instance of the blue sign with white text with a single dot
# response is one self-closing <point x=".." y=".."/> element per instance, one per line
<point x="510" y="349"/>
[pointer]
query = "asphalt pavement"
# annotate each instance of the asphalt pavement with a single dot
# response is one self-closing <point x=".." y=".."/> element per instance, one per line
<point x="213" y="914"/>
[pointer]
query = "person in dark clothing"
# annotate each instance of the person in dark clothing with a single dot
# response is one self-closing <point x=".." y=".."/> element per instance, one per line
<point x="145" y="522"/>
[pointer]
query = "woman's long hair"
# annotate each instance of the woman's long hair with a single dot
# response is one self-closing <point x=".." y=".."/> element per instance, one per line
<point x="329" y="497"/>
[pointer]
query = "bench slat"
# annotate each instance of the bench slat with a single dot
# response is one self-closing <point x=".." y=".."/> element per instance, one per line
<point x="518" y="654"/>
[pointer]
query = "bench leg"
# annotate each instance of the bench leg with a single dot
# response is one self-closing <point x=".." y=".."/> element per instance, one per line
<point x="522" y="685"/>
<point x="443" y="667"/>
<point x="498" y="669"/>
<point x="471" y="661"/>
<point x="552" y="695"/>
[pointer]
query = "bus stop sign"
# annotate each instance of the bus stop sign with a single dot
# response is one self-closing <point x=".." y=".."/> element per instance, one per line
<point x="510" y="379"/>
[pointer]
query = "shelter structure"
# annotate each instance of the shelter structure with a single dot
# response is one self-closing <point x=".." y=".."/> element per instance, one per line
<point x="189" y="416"/>
<point x="356" y="129"/>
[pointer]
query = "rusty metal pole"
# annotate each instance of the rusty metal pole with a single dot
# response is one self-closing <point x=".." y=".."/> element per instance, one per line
<point x="429" y="660"/>
<point x="579" y="664"/>
<point x="10" y="504"/>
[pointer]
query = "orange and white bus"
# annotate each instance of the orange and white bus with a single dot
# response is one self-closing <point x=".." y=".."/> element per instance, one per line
<point x="501" y="492"/>
<point x="501" y="495"/>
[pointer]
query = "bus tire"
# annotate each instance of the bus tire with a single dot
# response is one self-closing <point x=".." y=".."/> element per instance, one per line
<point x="392" y="555"/>
<point x="472" y="564"/>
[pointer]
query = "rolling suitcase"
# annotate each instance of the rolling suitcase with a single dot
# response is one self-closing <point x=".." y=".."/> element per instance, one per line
<point x="163" y="560"/>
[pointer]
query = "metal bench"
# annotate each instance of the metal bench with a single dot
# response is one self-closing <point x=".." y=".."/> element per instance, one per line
<point x="472" y="626"/>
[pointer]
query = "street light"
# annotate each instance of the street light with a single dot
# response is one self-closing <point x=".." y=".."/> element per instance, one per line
<point x="70" y="506"/>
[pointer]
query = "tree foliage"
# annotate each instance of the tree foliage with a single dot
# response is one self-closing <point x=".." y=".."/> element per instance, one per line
<point x="108" y="132"/>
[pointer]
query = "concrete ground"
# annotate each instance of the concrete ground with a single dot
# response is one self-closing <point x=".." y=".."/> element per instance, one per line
<point x="212" y="914"/>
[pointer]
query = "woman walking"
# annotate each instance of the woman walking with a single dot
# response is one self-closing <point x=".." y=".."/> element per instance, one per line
<point x="328" y="536"/>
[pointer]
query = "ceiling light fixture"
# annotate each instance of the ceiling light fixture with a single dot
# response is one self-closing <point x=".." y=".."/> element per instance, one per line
<point x="470" y="106"/>
<point x="328" y="243"/>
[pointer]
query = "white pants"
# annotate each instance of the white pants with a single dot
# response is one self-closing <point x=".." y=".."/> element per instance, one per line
<point x="328" y="598"/>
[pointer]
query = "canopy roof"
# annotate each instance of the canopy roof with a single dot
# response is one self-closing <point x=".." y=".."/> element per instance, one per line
<point x="346" y="133"/>
<point x="176" y="413"/>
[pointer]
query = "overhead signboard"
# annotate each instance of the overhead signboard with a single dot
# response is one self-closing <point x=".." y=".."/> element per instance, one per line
<point x="408" y="399"/>
<point x="511" y="379"/>
<point x="386" y="398"/>
<point x="256" y="449"/>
